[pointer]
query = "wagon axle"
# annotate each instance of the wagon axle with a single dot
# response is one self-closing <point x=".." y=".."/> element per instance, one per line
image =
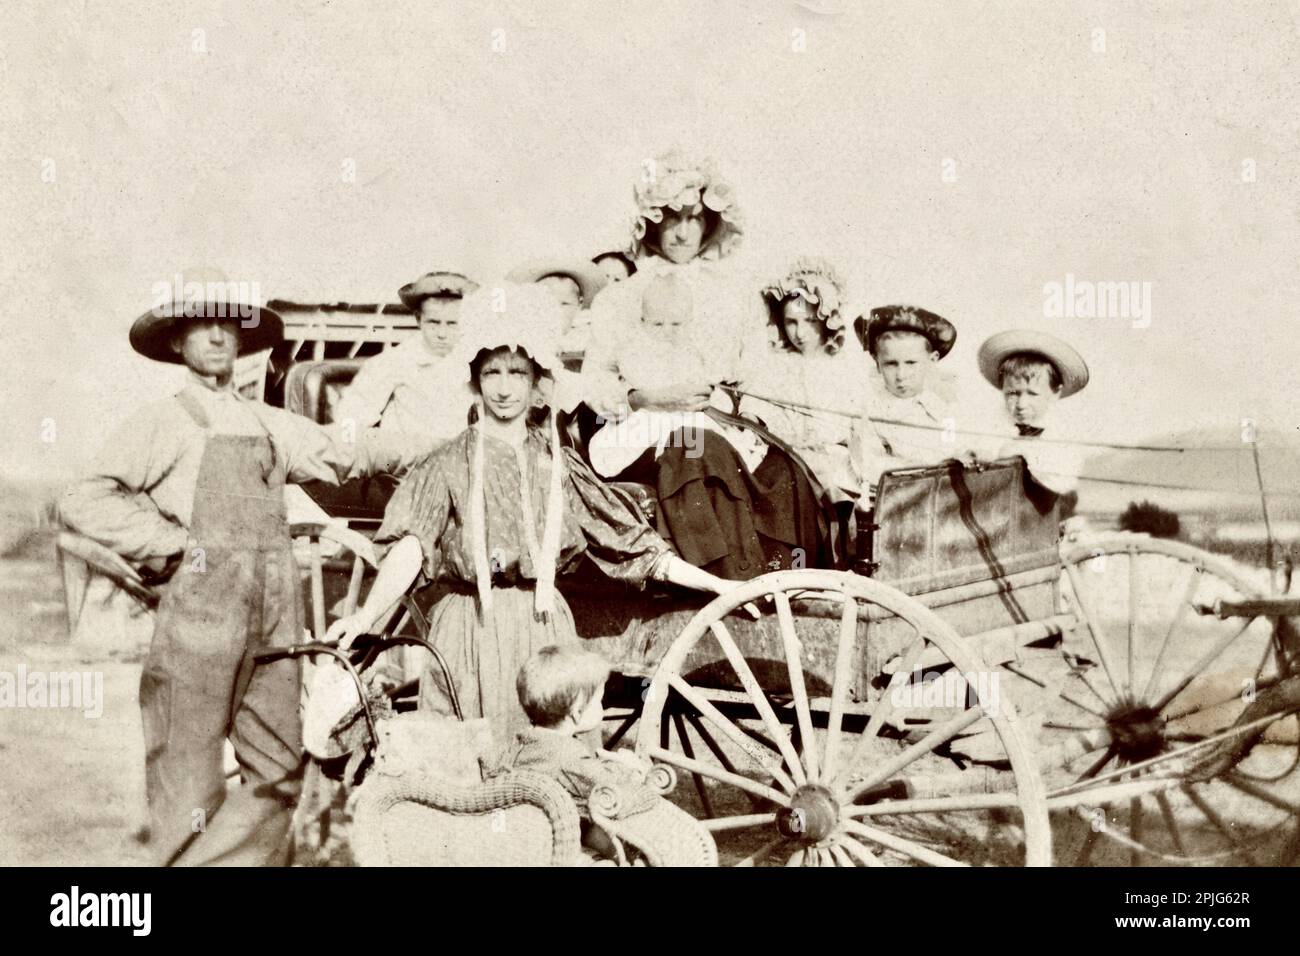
<point x="812" y="815"/>
<point x="1137" y="731"/>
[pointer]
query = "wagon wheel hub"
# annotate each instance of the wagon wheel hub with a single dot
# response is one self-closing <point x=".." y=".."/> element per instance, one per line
<point x="812" y="815"/>
<point x="1138" y="731"/>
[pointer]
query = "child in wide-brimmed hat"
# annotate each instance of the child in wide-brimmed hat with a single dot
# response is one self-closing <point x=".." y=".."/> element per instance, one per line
<point x="1034" y="371"/>
<point x="405" y="388"/>
<point x="574" y="283"/>
<point x="914" y="425"/>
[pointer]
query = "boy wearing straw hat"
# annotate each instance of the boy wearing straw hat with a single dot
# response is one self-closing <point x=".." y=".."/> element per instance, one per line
<point x="406" y="388"/>
<point x="192" y="489"/>
<point x="1034" y="371"/>
<point x="574" y="283"/>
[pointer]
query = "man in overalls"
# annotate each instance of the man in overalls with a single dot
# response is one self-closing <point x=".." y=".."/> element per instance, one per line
<point x="191" y="489"/>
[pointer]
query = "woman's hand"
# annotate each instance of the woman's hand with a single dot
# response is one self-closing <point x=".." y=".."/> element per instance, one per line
<point x="347" y="629"/>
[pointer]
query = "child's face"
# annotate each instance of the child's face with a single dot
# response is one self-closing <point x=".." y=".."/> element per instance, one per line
<point x="666" y="307"/>
<point x="592" y="713"/>
<point x="1029" y="397"/>
<point x="905" y="362"/>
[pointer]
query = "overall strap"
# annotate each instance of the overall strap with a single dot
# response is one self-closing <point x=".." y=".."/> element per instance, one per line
<point x="194" y="409"/>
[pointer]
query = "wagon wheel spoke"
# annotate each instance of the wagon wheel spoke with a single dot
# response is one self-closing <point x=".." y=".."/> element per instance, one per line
<point x="1094" y="629"/>
<point x="796" y="858"/>
<point x="689" y="751"/>
<point x="840" y="683"/>
<point x="841" y="856"/>
<point x="739" y="822"/>
<point x="693" y="719"/>
<point x="880" y="712"/>
<point x="924" y="805"/>
<point x="1218" y="822"/>
<point x="1205" y="661"/>
<point x="898" y="844"/>
<point x="1082" y="672"/>
<point x="1130" y="677"/>
<point x="1171" y="822"/>
<point x="1096" y="767"/>
<point x="1196" y="708"/>
<point x="1068" y="698"/>
<point x="762" y="853"/>
<point x="764" y="707"/>
<point x="856" y="849"/>
<point x="794" y="665"/>
<point x="759" y="790"/>
<point x="1189" y="593"/>
<point x="1135" y="828"/>
<point x="769" y="764"/>
<point x="1247" y="786"/>
<point x="940" y="735"/>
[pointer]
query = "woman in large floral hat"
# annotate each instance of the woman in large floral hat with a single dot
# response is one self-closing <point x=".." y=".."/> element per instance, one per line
<point x="813" y="384"/>
<point x="498" y="511"/>
<point x="665" y="345"/>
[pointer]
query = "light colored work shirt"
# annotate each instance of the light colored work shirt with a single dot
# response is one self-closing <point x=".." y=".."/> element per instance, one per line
<point x="138" y="497"/>
<point x="409" y="389"/>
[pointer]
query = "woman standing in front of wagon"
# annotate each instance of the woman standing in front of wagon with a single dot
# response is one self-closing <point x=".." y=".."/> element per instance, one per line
<point x="497" y="512"/>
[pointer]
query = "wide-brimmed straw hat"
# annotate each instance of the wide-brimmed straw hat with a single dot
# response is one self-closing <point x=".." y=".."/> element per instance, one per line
<point x="1069" y="363"/>
<point x="940" y="333"/>
<point x="589" y="277"/>
<point x="203" y="295"/>
<point x="443" y="285"/>
<point x="514" y="314"/>
<point x="817" y="282"/>
<point x="679" y="182"/>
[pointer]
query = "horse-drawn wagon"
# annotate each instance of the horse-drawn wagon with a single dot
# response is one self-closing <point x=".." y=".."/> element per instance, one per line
<point x="966" y="689"/>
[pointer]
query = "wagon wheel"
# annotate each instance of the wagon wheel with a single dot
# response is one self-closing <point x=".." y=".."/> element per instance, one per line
<point x="1170" y="731"/>
<point x="794" y="767"/>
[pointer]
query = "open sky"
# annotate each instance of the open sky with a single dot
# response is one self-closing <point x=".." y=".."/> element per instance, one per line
<point x="958" y="155"/>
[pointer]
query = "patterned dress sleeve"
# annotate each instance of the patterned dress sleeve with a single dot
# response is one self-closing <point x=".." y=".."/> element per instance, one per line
<point x="421" y="506"/>
<point x="618" y="538"/>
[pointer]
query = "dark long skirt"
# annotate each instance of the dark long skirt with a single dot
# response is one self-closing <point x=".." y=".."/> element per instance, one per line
<point x="727" y="520"/>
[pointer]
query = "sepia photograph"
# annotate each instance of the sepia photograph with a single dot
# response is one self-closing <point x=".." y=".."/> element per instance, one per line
<point x="790" y="433"/>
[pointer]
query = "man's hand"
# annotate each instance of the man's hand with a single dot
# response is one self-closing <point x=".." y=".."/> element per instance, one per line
<point x="679" y="397"/>
<point x="158" y="570"/>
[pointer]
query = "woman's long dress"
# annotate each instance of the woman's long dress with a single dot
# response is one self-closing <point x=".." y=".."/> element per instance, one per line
<point x="827" y="396"/>
<point x="484" y="656"/>
<point x="732" y="508"/>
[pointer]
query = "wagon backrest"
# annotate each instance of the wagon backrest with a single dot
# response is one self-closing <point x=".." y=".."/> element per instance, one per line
<point x="946" y="526"/>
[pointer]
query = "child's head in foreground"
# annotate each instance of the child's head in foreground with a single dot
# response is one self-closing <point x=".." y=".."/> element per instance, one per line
<point x="561" y="688"/>
<point x="906" y="343"/>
